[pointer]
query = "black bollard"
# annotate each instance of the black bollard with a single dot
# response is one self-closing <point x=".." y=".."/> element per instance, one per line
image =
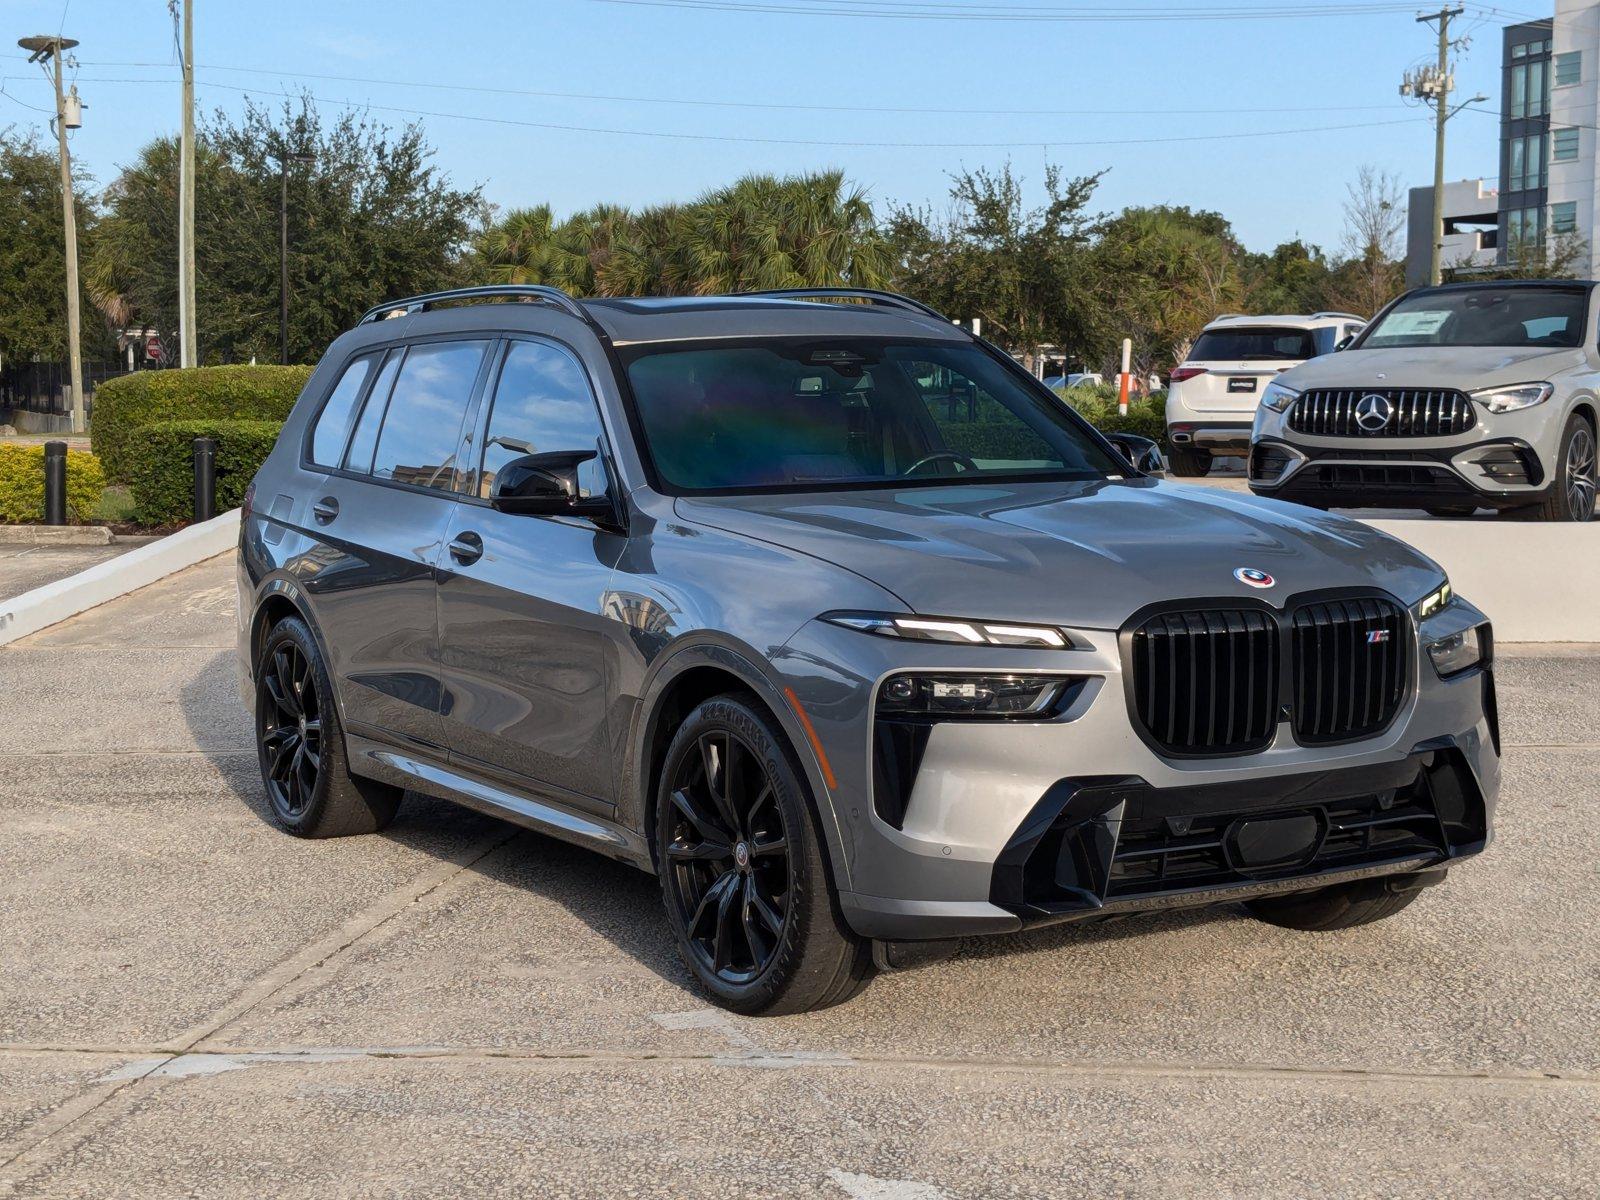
<point x="205" y="478"/>
<point x="55" y="483"/>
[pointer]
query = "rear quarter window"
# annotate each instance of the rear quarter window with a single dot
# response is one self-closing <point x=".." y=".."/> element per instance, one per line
<point x="332" y="427"/>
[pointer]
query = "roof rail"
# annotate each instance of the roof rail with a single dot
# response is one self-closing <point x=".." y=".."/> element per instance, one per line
<point x="1318" y="315"/>
<point x="870" y="295"/>
<point x="509" y="291"/>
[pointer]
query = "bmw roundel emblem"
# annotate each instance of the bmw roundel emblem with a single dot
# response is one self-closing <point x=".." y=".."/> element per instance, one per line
<point x="1251" y="577"/>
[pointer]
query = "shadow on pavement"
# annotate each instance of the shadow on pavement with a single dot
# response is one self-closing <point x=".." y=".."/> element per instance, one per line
<point x="616" y="901"/>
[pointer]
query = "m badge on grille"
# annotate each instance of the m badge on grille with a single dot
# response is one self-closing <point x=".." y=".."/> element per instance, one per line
<point x="1374" y="636"/>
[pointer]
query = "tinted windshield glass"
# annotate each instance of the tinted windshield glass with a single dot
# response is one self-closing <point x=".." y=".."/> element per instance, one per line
<point x="1487" y="316"/>
<point x="1256" y="342"/>
<point x="755" y="416"/>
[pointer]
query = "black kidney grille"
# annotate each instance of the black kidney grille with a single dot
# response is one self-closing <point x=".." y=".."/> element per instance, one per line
<point x="1414" y="412"/>
<point x="1349" y="664"/>
<point x="1206" y="682"/>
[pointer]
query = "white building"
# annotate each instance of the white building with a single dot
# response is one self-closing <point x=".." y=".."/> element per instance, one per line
<point x="1471" y="217"/>
<point x="1550" y="109"/>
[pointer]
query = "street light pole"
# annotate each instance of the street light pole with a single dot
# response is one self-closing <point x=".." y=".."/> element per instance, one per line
<point x="52" y="48"/>
<point x="187" y="351"/>
<point x="283" y="250"/>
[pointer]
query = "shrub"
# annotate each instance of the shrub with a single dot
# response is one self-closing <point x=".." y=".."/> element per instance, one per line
<point x="163" y="476"/>
<point x="1147" y="415"/>
<point x="22" y="485"/>
<point x="125" y="404"/>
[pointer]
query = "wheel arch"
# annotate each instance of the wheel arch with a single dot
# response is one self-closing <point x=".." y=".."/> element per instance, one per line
<point x="674" y="688"/>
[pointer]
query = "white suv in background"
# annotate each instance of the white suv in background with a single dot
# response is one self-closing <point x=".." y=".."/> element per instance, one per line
<point x="1213" y="393"/>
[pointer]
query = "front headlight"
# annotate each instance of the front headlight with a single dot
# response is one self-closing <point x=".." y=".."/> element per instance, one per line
<point x="944" y="629"/>
<point x="1277" y="397"/>
<point x="1510" y="399"/>
<point x="1434" y="601"/>
<point x="1457" y="653"/>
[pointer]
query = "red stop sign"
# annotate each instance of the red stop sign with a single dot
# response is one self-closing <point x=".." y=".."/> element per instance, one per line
<point x="153" y="349"/>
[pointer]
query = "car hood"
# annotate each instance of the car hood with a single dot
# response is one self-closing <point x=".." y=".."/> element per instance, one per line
<point x="1465" y="367"/>
<point x="1085" y="554"/>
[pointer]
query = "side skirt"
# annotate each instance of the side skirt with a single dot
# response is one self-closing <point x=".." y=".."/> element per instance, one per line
<point x="414" y="770"/>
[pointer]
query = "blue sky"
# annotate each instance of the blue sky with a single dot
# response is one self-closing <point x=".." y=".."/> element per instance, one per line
<point x="1302" y="73"/>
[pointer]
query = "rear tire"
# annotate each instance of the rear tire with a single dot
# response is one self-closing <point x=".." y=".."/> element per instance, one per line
<point x="740" y="857"/>
<point x="1572" y="496"/>
<point x="1188" y="463"/>
<point x="300" y="744"/>
<point x="1343" y="906"/>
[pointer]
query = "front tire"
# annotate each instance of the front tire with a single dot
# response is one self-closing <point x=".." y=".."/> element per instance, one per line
<point x="300" y="743"/>
<point x="1188" y="463"/>
<point x="1573" y="496"/>
<point x="742" y="871"/>
<point x="1343" y="906"/>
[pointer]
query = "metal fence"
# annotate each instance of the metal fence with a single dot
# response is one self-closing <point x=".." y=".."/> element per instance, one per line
<point x="42" y="387"/>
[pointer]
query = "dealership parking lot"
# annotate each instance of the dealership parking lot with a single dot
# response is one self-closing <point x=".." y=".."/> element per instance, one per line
<point x="194" y="1003"/>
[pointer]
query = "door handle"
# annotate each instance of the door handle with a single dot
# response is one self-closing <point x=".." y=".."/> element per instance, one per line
<point x="325" y="510"/>
<point x="466" y="548"/>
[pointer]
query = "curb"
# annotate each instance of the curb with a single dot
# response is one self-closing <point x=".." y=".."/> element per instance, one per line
<point x="56" y="535"/>
<point x="55" y="602"/>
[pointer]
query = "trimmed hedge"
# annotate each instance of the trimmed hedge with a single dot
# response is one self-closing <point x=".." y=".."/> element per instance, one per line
<point x="1147" y="415"/>
<point x="22" y="485"/>
<point x="124" y="405"/>
<point x="163" y="476"/>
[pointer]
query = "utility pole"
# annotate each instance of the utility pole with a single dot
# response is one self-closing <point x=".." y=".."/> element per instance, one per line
<point x="39" y="50"/>
<point x="1435" y="84"/>
<point x="187" y="356"/>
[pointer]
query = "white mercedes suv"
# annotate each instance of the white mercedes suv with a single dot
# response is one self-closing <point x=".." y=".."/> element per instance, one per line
<point x="1455" y="398"/>
<point x="1214" y="392"/>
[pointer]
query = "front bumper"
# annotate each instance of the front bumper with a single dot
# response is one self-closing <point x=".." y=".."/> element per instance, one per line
<point x="988" y="799"/>
<point x="1503" y="461"/>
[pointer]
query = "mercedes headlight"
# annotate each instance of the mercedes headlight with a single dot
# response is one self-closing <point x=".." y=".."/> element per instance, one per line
<point x="1510" y="399"/>
<point x="1277" y="397"/>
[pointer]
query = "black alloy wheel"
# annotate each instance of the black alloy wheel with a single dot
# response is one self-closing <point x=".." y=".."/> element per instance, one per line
<point x="727" y="859"/>
<point x="290" y="731"/>
<point x="311" y="791"/>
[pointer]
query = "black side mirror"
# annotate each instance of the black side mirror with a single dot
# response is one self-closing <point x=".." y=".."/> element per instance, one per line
<point x="1344" y="341"/>
<point x="546" y="485"/>
<point x="1142" y="454"/>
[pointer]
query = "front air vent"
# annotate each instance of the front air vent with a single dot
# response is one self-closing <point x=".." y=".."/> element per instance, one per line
<point x="1394" y="413"/>
<point x="1206" y="682"/>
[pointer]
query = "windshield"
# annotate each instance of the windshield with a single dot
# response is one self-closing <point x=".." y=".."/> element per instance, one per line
<point x="1486" y="316"/>
<point x="761" y="416"/>
<point x="1256" y="342"/>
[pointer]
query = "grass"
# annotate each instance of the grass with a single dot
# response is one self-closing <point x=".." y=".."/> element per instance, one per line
<point x="116" y="506"/>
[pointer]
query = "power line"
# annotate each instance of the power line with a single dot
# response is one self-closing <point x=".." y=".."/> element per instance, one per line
<point x="748" y="104"/>
<point x="933" y="12"/>
<point x="1046" y="143"/>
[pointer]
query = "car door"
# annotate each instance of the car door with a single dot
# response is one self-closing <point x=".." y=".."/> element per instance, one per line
<point x="381" y="517"/>
<point x="522" y="637"/>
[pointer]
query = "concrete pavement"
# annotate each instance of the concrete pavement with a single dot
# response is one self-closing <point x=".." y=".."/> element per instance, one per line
<point x="194" y="1004"/>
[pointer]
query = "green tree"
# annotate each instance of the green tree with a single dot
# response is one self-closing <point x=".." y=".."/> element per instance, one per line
<point x="370" y="218"/>
<point x="759" y="232"/>
<point x="1016" y="266"/>
<point x="33" y="272"/>
<point x="1158" y="275"/>
<point x="1292" y="278"/>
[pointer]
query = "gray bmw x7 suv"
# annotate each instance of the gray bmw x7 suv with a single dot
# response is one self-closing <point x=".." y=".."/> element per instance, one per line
<point x="831" y="616"/>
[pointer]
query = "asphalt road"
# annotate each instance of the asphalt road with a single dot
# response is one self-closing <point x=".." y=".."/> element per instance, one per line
<point x="194" y="1004"/>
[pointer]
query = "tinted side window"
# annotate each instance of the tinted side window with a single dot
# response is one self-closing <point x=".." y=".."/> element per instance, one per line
<point x="422" y="426"/>
<point x="333" y="422"/>
<point x="365" y="440"/>
<point x="541" y="403"/>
